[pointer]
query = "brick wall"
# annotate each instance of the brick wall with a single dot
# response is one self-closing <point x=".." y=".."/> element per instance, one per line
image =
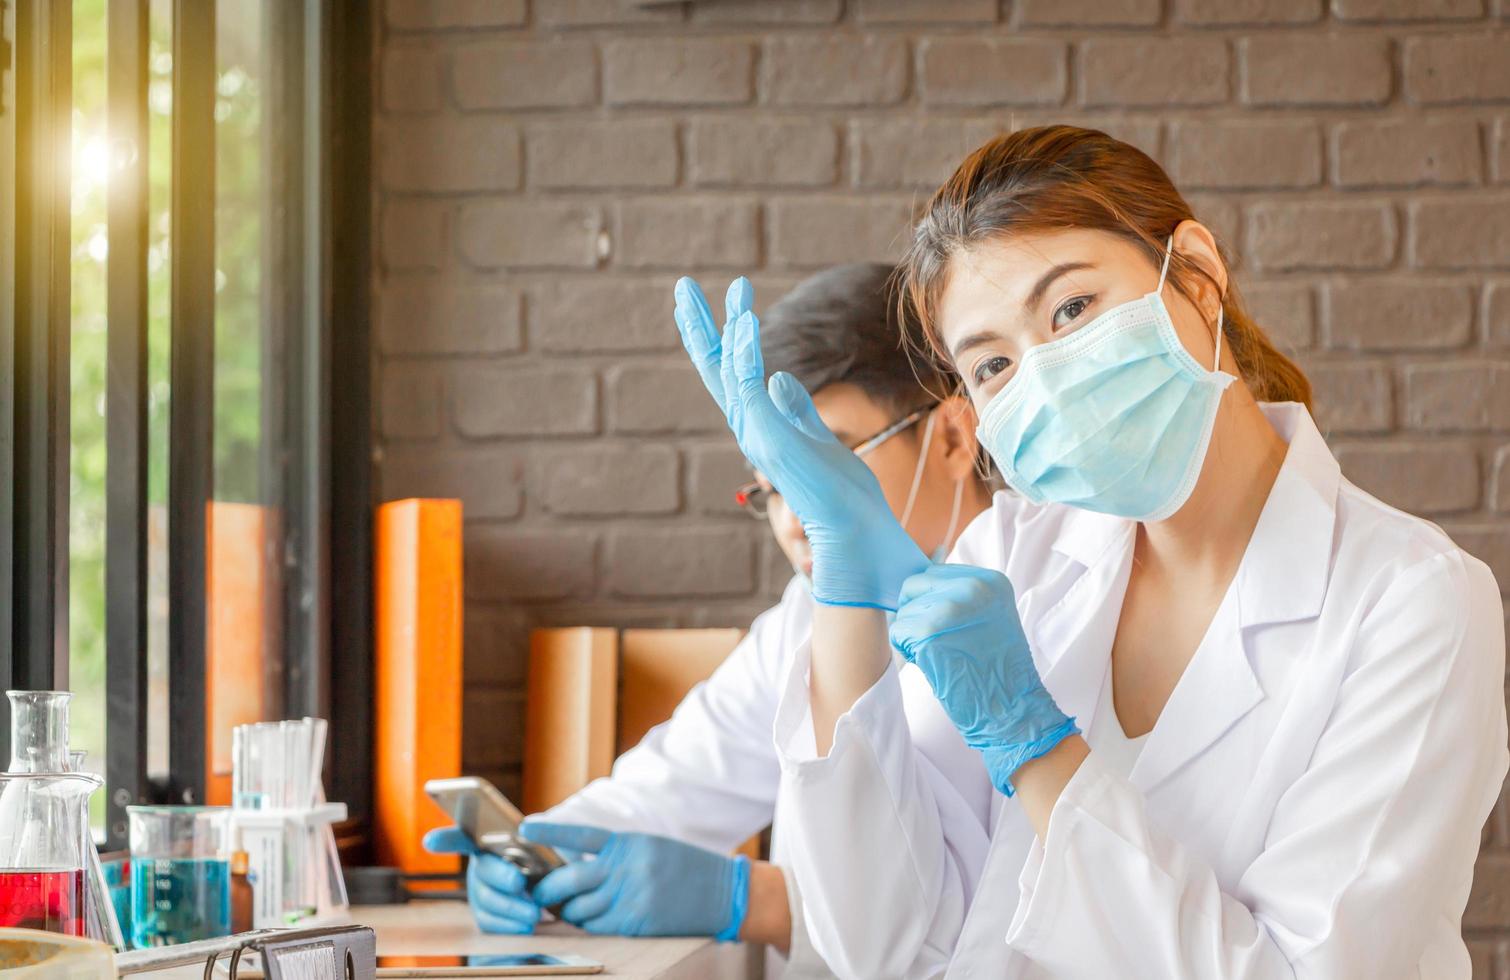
<point x="546" y="170"/>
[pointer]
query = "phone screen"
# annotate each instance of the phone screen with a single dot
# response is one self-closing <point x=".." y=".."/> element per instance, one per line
<point x="476" y="959"/>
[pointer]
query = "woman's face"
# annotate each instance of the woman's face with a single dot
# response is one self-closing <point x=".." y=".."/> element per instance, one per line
<point x="1007" y="296"/>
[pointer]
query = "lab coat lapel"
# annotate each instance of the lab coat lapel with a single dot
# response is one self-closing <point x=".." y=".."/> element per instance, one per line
<point x="1076" y="633"/>
<point x="1291" y="543"/>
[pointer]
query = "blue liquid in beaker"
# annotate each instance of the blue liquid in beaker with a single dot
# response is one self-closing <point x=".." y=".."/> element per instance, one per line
<point x="178" y="900"/>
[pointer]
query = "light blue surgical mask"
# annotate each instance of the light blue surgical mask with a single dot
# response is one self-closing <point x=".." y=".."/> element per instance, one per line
<point x="1115" y="418"/>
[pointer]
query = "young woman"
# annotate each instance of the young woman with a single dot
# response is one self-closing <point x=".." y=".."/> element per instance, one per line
<point x="1241" y="718"/>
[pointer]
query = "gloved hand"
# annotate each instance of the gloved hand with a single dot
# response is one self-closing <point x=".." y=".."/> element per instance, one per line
<point x="642" y="885"/>
<point x="959" y="624"/>
<point x="495" y="888"/>
<point x="860" y="553"/>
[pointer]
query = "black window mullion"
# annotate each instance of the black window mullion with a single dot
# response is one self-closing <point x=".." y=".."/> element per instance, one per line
<point x="39" y="559"/>
<point x="191" y="417"/>
<point x="126" y="420"/>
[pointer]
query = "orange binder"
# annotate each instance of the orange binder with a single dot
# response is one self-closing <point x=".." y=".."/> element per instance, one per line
<point x="417" y="730"/>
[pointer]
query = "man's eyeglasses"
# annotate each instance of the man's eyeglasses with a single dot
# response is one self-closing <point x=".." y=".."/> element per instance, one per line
<point x="755" y="496"/>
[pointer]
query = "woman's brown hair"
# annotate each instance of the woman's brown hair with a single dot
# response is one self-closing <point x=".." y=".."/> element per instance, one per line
<point x="1066" y="177"/>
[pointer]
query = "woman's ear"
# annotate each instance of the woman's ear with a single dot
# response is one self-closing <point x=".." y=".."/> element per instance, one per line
<point x="954" y="434"/>
<point x="1194" y="243"/>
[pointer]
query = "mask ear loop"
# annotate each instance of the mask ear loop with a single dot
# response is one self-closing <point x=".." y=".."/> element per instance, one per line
<point x="917" y="474"/>
<point x="1220" y="310"/>
<point x="959" y="495"/>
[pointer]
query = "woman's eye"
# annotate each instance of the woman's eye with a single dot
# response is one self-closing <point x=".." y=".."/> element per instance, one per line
<point x="1070" y="312"/>
<point x="990" y="368"/>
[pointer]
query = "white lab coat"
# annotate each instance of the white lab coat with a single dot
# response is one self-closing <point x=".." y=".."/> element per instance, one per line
<point x="709" y="776"/>
<point x="1308" y="804"/>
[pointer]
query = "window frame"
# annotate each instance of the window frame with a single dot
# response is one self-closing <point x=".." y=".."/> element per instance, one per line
<point x="317" y="323"/>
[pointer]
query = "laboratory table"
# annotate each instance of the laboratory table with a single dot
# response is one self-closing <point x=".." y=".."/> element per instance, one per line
<point x="447" y="928"/>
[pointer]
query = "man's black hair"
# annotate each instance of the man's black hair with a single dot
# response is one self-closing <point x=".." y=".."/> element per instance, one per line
<point x="842" y="325"/>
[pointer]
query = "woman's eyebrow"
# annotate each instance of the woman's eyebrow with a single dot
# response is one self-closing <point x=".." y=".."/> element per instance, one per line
<point x="1036" y="296"/>
<point x="977" y="339"/>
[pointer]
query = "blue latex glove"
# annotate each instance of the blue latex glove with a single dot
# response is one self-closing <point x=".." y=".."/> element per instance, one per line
<point x="959" y="624"/>
<point x="496" y="889"/>
<point x="642" y="885"/>
<point x="861" y="554"/>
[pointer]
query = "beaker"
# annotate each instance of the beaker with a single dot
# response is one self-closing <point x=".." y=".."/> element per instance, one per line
<point x="180" y="874"/>
<point x="46" y="852"/>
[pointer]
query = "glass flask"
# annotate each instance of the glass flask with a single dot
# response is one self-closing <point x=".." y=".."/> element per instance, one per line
<point x="50" y="876"/>
<point x="180" y="874"/>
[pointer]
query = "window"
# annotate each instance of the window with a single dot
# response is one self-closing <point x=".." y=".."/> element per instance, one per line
<point x="184" y="507"/>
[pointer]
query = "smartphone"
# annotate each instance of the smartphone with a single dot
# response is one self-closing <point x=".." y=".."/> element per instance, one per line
<point x="486" y="965"/>
<point x="492" y="822"/>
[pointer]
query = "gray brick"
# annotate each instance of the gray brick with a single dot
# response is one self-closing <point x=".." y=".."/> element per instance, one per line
<point x="785" y="13"/>
<point x="1497" y="314"/>
<point x="907" y="153"/>
<point x="1394" y="10"/>
<point x="611" y="480"/>
<point x="1446" y="69"/>
<point x="1353" y="398"/>
<point x="678" y="561"/>
<point x="603" y="13"/>
<point x="761" y="153"/>
<point x="1406" y="153"/>
<point x="1419" y="478"/>
<point x="678" y="71"/>
<point x="658" y="398"/>
<point x="530" y="234"/>
<point x="496" y="647"/>
<point x="448" y="155"/>
<point x="714" y="472"/>
<point x="811" y="232"/>
<point x="1316" y="69"/>
<point x="431" y="15"/>
<point x="602" y="315"/>
<point x="685" y="233"/>
<point x="1501" y="498"/>
<point x="1125" y="71"/>
<point x="492" y="728"/>
<point x="501" y="400"/>
<point x="512" y="564"/>
<point x="975" y="71"/>
<point x="414" y="234"/>
<point x="542" y="74"/>
<point x="834" y="70"/>
<point x="1394" y="314"/>
<point x="1087" y="13"/>
<point x="1460" y="233"/>
<point x="488" y="482"/>
<point x="409" y="400"/>
<point x="437" y="316"/>
<point x="1457" y="396"/>
<point x="1246" y="154"/>
<point x="410" y="80"/>
<point x="599" y="155"/>
<point x="1499" y="148"/>
<point x="1226" y="13"/>
<point x="1321" y="235"/>
<point x="926" y="11"/>
<point x="1285" y="310"/>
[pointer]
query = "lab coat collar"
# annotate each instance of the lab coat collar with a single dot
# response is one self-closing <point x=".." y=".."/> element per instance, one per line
<point x="1292" y="542"/>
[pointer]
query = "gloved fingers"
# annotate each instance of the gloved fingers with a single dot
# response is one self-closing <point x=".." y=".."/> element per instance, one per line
<point x="502" y="924"/>
<point x="750" y="407"/>
<point x="448" y="840"/>
<point x="610" y="923"/>
<point x="575" y="837"/>
<point x="587" y="906"/>
<point x="502" y="904"/>
<point x="694" y="321"/>
<point x="965" y="584"/>
<point x="739" y="298"/>
<point x="499" y="874"/>
<point x="569" y="881"/>
<point x="793" y="401"/>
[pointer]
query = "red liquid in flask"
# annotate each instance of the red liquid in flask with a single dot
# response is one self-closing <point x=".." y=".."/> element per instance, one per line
<point x="48" y="900"/>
